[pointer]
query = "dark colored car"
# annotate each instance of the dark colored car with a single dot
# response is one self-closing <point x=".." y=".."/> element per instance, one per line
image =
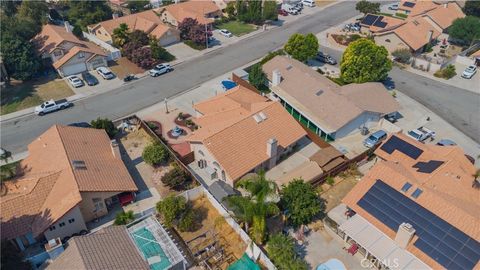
<point x="389" y="83"/>
<point x="325" y="58"/>
<point x="80" y="124"/>
<point x="282" y="12"/>
<point x="89" y="78"/>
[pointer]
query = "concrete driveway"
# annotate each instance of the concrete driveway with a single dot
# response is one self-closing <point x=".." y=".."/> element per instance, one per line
<point x="102" y="86"/>
<point x="472" y="84"/>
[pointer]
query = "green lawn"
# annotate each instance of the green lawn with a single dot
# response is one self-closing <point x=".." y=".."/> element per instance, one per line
<point x="237" y="28"/>
<point x="22" y="95"/>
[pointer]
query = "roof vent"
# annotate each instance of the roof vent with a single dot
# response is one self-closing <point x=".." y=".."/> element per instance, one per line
<point x="416" y="23"/>
<point x="257" y="118"/>
<point x="79" y="165"/>
<point x="263" y="116"/>
<point x="319" y="93"/>
<point x="289" y="67"/>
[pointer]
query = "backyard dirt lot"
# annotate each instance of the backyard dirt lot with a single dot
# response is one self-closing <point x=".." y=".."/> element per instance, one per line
<point x="122" y="67"/>
<point x="22" y="95"/>
<point x="211" y="227"/>
<point x="335" y="194"/>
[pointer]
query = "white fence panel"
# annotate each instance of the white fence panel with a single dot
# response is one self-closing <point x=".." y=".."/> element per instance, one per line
<point x="113" y="53"/>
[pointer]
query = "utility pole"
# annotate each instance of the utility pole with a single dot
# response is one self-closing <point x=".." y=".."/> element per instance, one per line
<point x="166" y="105"/>
<point x="206" y="36"/>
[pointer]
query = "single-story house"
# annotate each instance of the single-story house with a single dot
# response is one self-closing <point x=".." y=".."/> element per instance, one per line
<point x="68" y="54"/>
<point x="205" y="12"/>
<point x="419" y="203"/>
<point x="241" y="132"/>
<point x="71" y="176"/>
<point x="329" y="110"/>
<point x="146" y="21"/>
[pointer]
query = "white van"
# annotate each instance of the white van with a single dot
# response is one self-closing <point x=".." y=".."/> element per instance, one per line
<point x="308" y="3"/>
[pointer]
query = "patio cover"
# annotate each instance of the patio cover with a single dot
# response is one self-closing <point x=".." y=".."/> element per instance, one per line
<point x="380" y="245"/>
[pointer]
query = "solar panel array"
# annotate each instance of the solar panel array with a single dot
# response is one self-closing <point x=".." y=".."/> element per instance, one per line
<point x="409" y="4"/>
<point x="395" y="143"/>
<point x="379" y="23"/>
<point x="428" y="167"/>
<point x="369" y="19"/>
<point x="441" y="241"/>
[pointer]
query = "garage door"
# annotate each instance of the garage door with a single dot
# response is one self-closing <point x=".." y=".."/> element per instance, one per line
<point x="168" y="39"/>
<point x="73" y="69"/>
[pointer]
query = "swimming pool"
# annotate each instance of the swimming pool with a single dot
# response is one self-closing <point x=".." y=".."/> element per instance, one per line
<point x="156" y="257"/>
<point x="244" y="263"/>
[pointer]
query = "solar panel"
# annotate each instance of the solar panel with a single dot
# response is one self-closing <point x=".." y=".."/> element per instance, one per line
<point x="442" y="242"/>
<point x="380" y="24"/>
<point x="428" y="167"/>
<point x="409" y="4"/>
<point x="395" y="143"/>
<point x="369" y="19"/>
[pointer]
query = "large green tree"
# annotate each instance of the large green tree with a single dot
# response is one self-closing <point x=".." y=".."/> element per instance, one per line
<point x="301" y="202"/>
<point x="171" y="208"/>
<point x="254" y="12"/>
<point x="472" y="7"/>
<point x="19" y="57"/>
<point x="85" y="13"/>
<point x="256" y="206"/>
<point x="302" y="47"/>
<point x="270" y="10"/>
<point x="120" y="35"/>
<point x="257" y="77"/>
<point x="281" y="249"/>
<point x="35" y="10"/>
<point x="364" y="61"/>
<point x="366" y="7"/>
<point x="11" y="258"/>
<point x="466" y="29"/>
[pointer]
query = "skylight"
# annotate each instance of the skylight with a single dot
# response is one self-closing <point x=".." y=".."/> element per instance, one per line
<point x="417" y="193"/>
<point x="406" y="187"/>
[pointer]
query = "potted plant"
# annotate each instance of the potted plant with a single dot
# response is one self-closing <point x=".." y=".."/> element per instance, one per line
<point x="180" y="116"/>
<point x="189" y="123"/>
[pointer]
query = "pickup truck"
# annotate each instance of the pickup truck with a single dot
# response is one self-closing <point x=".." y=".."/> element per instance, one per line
<point x="51" y="106"/>
<point x="421" y="134"/>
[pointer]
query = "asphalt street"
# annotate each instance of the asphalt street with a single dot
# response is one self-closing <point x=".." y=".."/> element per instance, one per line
<point x="128" y="99"/>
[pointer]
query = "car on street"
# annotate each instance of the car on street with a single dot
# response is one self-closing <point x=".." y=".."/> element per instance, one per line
<point x="106" y="73"/>
<point x="375" y="138"/>
<point x="308" y="3"/>
<point x="160" y="69"/>
<point x="89" y="78"/>
<point x="80" y="124"/>
<point x="51" y="106"/>
<point x="282" y="12"/>
<point x="75" y="81"/>
<point x="421" y="134"/>
<point x="225" y="33"/>
<point x="325" y="58"/>
<point x="469" y="72"/>
<point x="393" y="7"/>
<point x="389" y="83"/>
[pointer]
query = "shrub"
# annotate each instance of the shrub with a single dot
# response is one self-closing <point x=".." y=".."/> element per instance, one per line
<point x="194" y="45"/>
<point x="154" y="154"/>
<point x="159" y="53"/>
<point x="186" y="221"/>
<point x="401" y="15"/>
<point x="446" y="73"/>
<point x="353" y="37"/>
<point x="175" y="178"/>
<point x="271" y="55"/>
<point x="402" y="55"/>
<point x="106" y="124"/>
<point x="124" y="218"/>
<point x="171" y="208"/>
<point x="330" y="180"/>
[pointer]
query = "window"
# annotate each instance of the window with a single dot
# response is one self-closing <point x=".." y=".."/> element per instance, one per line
<point x="52" y="228"/>
<point x="97" y="202"/>
<point x="61" y="224"/>
<point x="406" y="187"/>
<point x="81" y="55"/>
<point x="417" y="193"/>
<point x="72" y="220"/>
<point x="57" y="53"/>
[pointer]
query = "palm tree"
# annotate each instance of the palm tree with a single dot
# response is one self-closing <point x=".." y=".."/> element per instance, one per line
<point x="256" y="206"/>
<point x="120" y="35"/>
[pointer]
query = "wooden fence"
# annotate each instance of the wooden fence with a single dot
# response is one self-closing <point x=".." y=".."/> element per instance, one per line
<point x="244" y="83"/>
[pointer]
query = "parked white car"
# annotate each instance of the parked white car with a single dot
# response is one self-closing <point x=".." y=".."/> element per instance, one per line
<point x="106" y="73"/>
<point x="308" y="3"/>
<point x="160" y="69"/>
<point x="75" y="81"/>
<point x="421" y="134"/>
<point x="393" y="7"/>
<point x="51" y="106"/>
<point x="225" y="32"/>
<point x="469" y="72"/>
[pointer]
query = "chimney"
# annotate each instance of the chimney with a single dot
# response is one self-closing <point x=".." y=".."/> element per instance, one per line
<point x="429" y="35"/>
<point x="115" y="149"/>
<point x="115" y="15"/>
<point x="272" y="152"/>
<point x="276" y="77"/>
<point x="54" y="248"/>
<point x="445" y="5"/>
<point x="68" y="27"/>
<point x="404" y="234"/>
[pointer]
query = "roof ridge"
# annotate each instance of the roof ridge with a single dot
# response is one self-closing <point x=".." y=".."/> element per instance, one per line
<point x="67" y="156"/>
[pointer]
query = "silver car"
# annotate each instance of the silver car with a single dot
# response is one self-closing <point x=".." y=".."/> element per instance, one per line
<point x="469" y="72"/>
<point x="75" y="81"/>
<point x="106" y="73"/>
